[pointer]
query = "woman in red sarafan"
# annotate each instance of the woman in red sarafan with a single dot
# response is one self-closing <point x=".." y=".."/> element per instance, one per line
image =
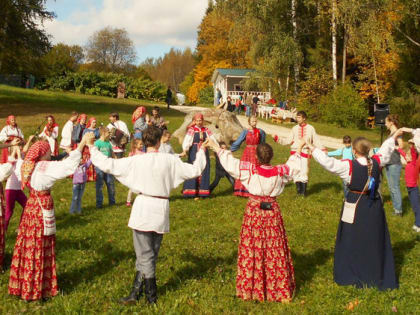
<point x="265" y="267"/>
<point x="33" y="270"/>
<point x="252" y="136"/>
<point x="7" y="134"/>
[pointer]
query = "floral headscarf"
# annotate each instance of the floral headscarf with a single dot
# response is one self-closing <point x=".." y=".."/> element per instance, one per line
<point x="35" y="152"/>
<point x="139" y="112"/>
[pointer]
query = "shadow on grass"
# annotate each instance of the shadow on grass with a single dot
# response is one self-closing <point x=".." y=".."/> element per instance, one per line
<point x="109" y="257"/>
<point x="400" y="250"/>
<point x="320" y="187"/>
<point x="199" y="266"/>
<point x="306" y="265"/>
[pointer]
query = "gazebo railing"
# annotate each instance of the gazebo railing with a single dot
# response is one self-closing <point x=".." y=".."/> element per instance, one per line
<point x="263" y="96"/>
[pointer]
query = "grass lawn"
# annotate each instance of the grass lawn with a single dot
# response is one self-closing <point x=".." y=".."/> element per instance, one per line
<point x="197" y="264"/>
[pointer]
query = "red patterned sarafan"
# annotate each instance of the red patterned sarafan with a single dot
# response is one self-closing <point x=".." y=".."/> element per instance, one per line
<point x="265" y="267"/>
<point x="33" y="271"/>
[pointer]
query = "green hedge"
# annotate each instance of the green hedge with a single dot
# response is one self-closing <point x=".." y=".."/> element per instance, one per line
<point x="105" y="84"/>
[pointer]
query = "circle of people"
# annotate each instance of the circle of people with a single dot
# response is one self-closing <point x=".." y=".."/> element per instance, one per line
<point x="363" y="253"/>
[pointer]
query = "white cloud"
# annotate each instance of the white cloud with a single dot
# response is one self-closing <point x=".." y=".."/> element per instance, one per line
<point x="165" y="22"/>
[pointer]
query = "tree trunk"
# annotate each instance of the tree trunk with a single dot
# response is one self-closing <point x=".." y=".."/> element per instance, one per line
<point x="376" y="79"/>
<point x="294" y="25"/>
<point x="334" y="41"/>
<point x="343" y="73"/>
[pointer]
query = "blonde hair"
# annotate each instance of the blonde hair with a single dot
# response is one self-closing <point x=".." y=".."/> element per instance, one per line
<point x="362" y="146"/>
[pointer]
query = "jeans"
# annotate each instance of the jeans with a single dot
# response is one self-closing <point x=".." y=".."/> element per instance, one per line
<point x="102" y="177"/>
<point x="76" y="201"/>
<point x="345" y="189"/>
<point x="393" y="173"/>
<point x="238" y="110"/>
<point x="247" y="110"/>
<point x="413" y="195"/>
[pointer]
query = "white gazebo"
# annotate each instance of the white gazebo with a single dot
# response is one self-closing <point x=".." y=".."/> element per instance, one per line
<point x="228" y="81"/>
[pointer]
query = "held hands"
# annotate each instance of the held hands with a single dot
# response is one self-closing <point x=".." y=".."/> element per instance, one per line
<point x="399" y="132"/>
<point x="15" y="141"/>
<point x="183" y="154"/>
<point x="214" y="146"/>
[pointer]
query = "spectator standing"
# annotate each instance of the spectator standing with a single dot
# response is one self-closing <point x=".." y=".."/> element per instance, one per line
<point x="67" y="131"/>
<point x="121" y="131"/>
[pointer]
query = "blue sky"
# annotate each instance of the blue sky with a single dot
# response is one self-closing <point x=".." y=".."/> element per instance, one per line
<point x="154" y="26"/>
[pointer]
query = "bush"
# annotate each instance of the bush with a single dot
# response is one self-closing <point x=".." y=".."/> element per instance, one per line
<point x="105" y="84"/>
<point x="206" y="95"/>
<point x="344" y="107"/>
<point x="407" y="107"/>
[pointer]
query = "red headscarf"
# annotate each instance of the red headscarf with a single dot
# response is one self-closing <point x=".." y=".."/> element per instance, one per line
<point x="80" y="118"/>
<point x="35" y="152"/>
<point x="89" y="123"/>
<point x="50" y="126"/>
<point x="9" y="118"/>
<point x="195" y="117"/>
<point x="139" y="112"/>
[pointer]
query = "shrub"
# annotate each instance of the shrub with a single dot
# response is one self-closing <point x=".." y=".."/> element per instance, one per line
<point x="105" y="84"/>
<point x="344" y="107"/>
<point x="407" y="107"/>
<point x="206" y="95"/>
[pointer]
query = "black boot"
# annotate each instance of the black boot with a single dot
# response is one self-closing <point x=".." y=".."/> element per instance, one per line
<point x="303" y="191"/>
<point x="136" y="291"/>
<point x="151" y="290"/>
<point x="298" y="188"/>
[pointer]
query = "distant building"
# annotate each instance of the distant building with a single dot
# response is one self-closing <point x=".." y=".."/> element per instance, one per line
<point x="228" y="81"/>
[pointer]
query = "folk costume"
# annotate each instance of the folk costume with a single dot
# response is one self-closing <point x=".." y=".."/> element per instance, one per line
<point x="197" y="187"/>
<point x="33" y="270"/>
<point x="252" y="139"/>
<point x="5" y="171"/>
<point x="91" y="174"/>
<point x="66" y="133"/>
<point x="50" y="133"/>
<point x="152" y="176"/>
<point x="298" y="132"/>
<point x="139" y="119"/>
<point x="7" y="134"/>
<point x="363" y="253"/>
<point x="265" y="267"/>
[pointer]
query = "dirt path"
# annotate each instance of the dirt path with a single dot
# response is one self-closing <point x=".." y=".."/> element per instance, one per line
<point x="329" y="142"/>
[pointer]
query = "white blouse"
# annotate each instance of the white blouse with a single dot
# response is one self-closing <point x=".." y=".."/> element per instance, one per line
<point x="263" y="180"/>
<point x="8" y="131"/>
<point x="51" y="138"/>
<point x="189" y="138"/>
<point x="46" y="173"/>
<point x="342" y="167"/>
<point x="416" y="138"/>
<point x="152" y="175"/>
<point x="5" y="171"/>
<point x="66" y="134"/>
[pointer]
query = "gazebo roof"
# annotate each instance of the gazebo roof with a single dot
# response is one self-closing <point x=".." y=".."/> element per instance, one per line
<point x="231" y="72"/>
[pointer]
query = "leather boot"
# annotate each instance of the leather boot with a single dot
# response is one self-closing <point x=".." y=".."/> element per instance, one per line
<point x="298" y="187"/>
<point x="151" y="290"/>
<point x="303" y="191"/>
<point x="136" y="291"/>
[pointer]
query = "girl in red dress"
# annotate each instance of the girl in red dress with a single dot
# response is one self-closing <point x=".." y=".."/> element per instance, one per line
<point x="33" y="271"/>
<point x="252" y="136"/>
<point x="90" y="127"/>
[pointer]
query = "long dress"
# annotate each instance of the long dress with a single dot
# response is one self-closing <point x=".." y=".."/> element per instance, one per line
<point x="33" y="271"/>
<point x="363" y="253"/>
<point x="5" y="171"/>
<point x="197" y="187"/>
<point x="252" y="139"/>
<point x="265" y="268"/>
<point x="51" y="134"/>
<point x="91" y="173"/>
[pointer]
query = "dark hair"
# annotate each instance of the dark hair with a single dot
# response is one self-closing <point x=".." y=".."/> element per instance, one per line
<point x="115" y="114"/>
<point x="151" y="136"/>
<point x="264" y="153"/>
<point x="394" y="119"/>
<point x="165" y="132"/>
<point x="156" y="108"/>
<point x="346" y="139"/>
<point x="74" y="114"/>
<point x="302" y="113"/>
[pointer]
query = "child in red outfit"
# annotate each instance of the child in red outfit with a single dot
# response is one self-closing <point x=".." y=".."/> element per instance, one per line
<point x="411" y="178"/>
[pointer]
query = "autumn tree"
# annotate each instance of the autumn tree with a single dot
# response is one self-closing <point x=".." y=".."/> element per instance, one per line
<point x="110" y="49"/>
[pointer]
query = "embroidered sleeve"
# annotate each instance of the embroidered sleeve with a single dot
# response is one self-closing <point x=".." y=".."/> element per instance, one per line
<point x="188" y="139"/>
<point x="337" y="167"/>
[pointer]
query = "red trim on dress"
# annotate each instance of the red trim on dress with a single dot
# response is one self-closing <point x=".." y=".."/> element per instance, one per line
<point x="267" y="171"/>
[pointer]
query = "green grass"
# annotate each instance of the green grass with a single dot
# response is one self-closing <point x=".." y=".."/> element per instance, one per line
<point x="197" y="263"/>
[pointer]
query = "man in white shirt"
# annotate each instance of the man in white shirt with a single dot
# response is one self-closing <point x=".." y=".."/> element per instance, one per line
<point x="301" y="131"/>
<point x="116" y="123"/>
<point x="152" y="176"/>
<point x="65" y="143"/>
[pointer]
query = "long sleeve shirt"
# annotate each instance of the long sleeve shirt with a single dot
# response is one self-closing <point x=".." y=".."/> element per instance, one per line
<point x="264" y="180"/>
<point x="66" y="135"/>
<point x="298" y="132"/>
<point x="189" y="137"/>
<point x="343" y="168"/>
<point x="9" y="131"/>
<point x="5" y="171"/>
<point x="242" y="137"/>
<point x="46" y="173"/>
<point x="152" y="175"/>
<point x="50" y="136"/>
<point x="346" y="153"/>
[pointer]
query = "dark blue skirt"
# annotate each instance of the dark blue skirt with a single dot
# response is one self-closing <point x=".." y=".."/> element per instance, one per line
<point x="197" y="187"/>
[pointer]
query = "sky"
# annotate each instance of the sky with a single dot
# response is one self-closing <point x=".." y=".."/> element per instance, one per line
<point x="153" y="25"/>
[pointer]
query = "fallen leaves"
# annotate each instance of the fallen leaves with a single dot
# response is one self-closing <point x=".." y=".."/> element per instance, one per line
<point x="352" y="305"/>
